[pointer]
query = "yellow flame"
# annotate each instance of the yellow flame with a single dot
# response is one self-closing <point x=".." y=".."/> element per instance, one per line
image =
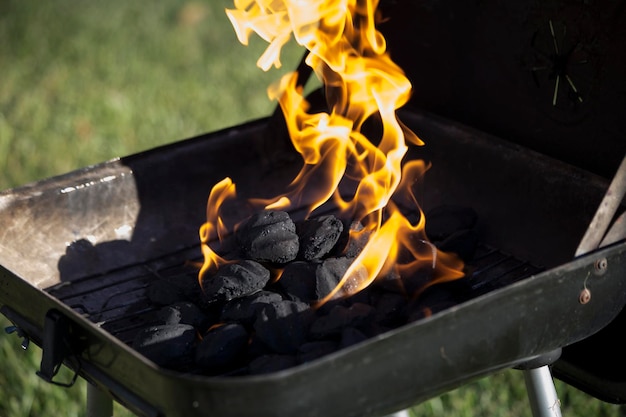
<point x="348" y="53"/>
<point x="214" y="227"/>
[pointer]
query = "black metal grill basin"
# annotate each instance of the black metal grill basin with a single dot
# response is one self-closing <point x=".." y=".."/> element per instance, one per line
<point x="148" y="207"/>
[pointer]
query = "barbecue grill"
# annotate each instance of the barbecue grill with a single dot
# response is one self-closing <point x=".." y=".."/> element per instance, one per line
<point x="80" y="250"/>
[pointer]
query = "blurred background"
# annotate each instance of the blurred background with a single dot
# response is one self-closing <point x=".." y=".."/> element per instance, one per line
<point x="83" y="82"/>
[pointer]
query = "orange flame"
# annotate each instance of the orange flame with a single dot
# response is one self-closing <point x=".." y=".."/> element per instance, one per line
<point x="214" y="227"/>
<point x="348" y="54"/>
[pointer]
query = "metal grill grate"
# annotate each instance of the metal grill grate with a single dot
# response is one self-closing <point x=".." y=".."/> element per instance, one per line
<point x="119" y="303"/>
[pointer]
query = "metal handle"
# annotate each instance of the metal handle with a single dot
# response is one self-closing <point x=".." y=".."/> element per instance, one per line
<point x="600" y="222"/>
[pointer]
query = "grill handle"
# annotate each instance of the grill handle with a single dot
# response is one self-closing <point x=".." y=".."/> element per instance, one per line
<point x="57" y="348"/>
<point x="607" y="209"/>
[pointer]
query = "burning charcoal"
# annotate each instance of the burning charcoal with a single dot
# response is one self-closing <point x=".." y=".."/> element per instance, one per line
<point x="166" y="344"/>
<point x="462" y="242"/>
<point x="269" y="236"/>
<point x="390" y="309"/>
<point x="312" y="281"/>
<point x="318" y="236"/>
<point x="443" y="221"/>
<point x="298" y="281"/>
<point x="392" y="282"/>
<point x="245" y="309"/>
<point x="313" y="350"/>
<point x="283" y="325"/>
<point x="184" y="312"/>
<point x="271" y="363"/>
<point x="352" y="241"/>
<point x="222" y="347"/>
<point x="340" y="317"/>
<point x="235" y="280"/>
<point x="329" y="274"/>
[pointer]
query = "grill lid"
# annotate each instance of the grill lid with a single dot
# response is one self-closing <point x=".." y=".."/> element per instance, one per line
<point x="545" y="74"/>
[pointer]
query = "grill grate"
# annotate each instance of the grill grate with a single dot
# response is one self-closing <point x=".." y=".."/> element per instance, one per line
<point x="119" y="303"/>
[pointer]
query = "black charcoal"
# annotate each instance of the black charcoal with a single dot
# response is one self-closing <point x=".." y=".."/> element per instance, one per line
<point x="283" y="326"/>
<point x="328" y="275"/>
<point x="235" y="280"/>
<point x="318" y="236"/>
<point x="312" y="281"/>
<point x="355" y="240"/>
<point x="390" y="309"/>
<point x="269" y="236"/>
<point x="245" y="309"/>
<point x="339" y="317"/>
<point x="462" y="242"/>
<point x="298" y="281"/>
<point x="166" y="344"/>
<point x="222" y="347"/>
<point x="184" y="312"/>
<point x="431" y="301"/>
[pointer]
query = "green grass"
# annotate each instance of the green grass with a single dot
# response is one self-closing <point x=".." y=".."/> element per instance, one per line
<point x="82" y="82"/>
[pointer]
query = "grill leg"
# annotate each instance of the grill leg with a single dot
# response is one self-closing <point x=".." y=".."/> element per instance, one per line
<point x="99" y="404"/>
<point x="541" y="392"/>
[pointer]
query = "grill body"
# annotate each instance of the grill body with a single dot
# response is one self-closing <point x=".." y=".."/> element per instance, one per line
<point x="140" y="214"/>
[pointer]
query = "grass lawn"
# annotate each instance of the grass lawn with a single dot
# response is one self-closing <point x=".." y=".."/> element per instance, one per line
<point x="82" y="82"/>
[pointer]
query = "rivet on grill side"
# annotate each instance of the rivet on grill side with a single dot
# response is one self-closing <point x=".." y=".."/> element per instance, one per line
<point x="600" y="266"/>
<point x="585" y="296"/>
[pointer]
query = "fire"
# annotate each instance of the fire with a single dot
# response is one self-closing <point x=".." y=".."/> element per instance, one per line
<point x="348" y="53"/>
<point x="214" y="226"/>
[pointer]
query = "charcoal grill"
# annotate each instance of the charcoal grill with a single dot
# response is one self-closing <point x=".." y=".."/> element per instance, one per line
<point x="79" y="250"/>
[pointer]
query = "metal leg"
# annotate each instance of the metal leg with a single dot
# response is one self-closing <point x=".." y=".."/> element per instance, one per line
<point x="99" y="404"/>
<point x="541" y="392"/>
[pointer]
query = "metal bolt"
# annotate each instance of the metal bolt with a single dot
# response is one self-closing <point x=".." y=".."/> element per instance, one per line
<point x="600" y="266"/>
<point x="585" y="296"/>
<point x="14" y="329"/>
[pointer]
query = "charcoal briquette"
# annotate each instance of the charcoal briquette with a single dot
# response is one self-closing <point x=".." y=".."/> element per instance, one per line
<point x="184" y="312"/>
<point x="318" y="236"/>
<point x="340" y="317"/>
<point x="283" y="326"/>
<point x="166" y="344"/>
<point x="298" y="281"/>
<point x="312" y="281"/>
<point x="354" y="240"/>
<point x="462" y="242"/>
<point x="269" y="236"/>
<point x="433" y="300"/>
<point x="329" y="274"/>
<point x="235" y="280"/>
<point x="222" y="347"/>
<point x="390" y="309"/>
<point x="245" y="309"/>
